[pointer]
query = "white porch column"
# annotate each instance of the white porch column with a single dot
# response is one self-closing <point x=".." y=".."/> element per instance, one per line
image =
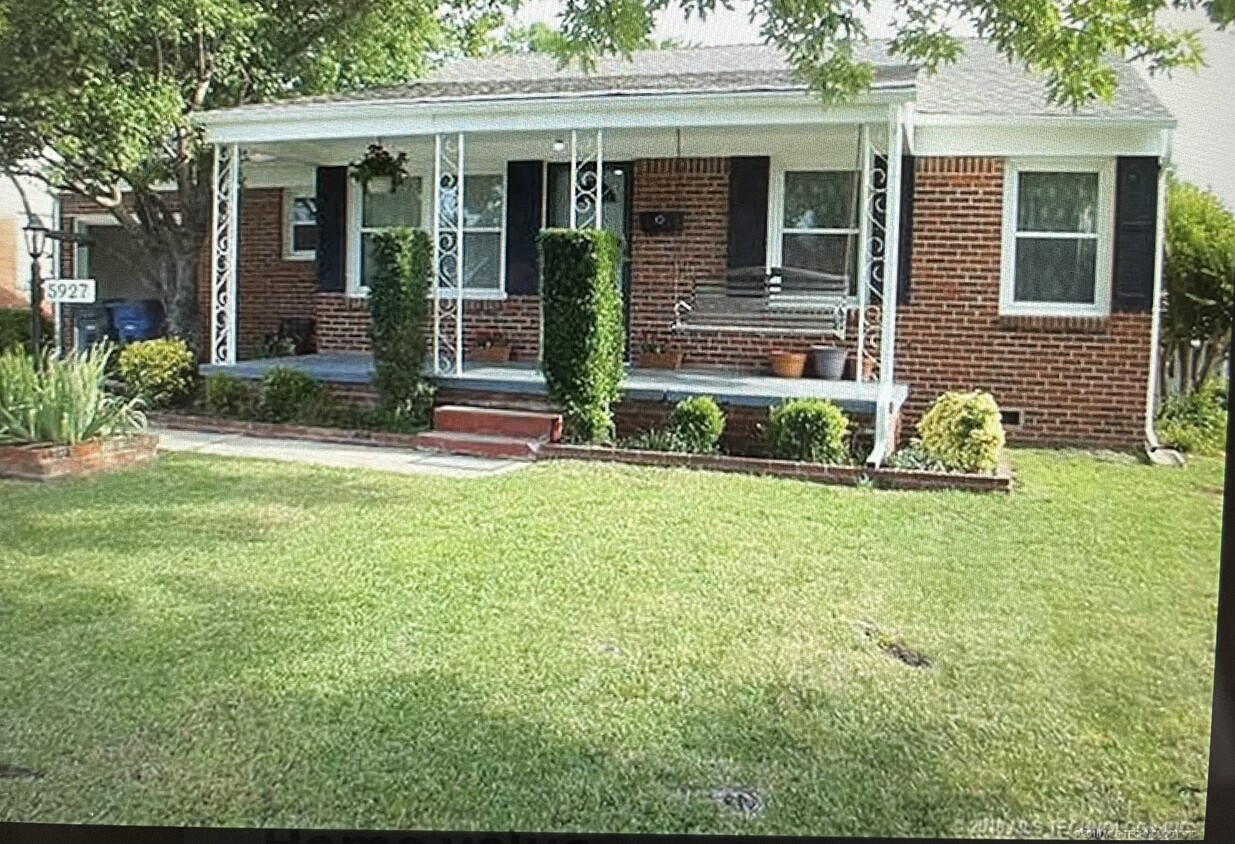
<point x="224" y="217"/>
<point x="891" y="259"/>
<point x="448" y="254"/>
<point x="587" y="184"/>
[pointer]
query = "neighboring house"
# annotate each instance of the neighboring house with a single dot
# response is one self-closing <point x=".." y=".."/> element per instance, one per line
<point x="14" y="260"/>
<point x="1020" y="237"/>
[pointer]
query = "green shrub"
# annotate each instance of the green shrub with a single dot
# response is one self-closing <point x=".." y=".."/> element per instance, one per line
<point x="287" y="394"/>
<point x="696" y="424"/>
<point x="399" y="320"/>
<point x="64" y="401"/>
<point x="15" y="328"/>
<point x="1196" y="423"/>
<point x="811" y="430"/>
<point x="159" y="371"/>
<point x="963" y="432"/>
<point x="913" y="456"/>
<point x="227" y="395"/>
<point x="581" y="301"/>
<point x="653" y="439"/>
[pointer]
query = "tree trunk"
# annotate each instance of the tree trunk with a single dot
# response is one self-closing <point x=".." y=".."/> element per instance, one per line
<point x="181" y="300"/>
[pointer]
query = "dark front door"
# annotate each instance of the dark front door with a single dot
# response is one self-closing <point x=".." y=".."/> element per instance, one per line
<point x="616" y="193"/>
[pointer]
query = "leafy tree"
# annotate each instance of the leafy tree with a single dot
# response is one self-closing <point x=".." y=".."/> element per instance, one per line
<point x="99" y="97"/>
<point x="1199" y="275"/>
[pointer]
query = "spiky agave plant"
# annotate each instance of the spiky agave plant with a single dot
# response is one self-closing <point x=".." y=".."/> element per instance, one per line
<point x="62" y="401"/>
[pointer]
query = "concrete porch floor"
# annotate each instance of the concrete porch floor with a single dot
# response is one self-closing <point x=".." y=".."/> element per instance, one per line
<point x="655" y="385"/>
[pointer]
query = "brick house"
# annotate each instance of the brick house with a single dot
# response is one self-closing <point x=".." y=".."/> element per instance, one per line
<point x="1019" y="241"/>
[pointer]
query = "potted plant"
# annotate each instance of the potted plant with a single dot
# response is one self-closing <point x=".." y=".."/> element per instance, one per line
<point x="379" y="171"/>
<point x="829" y="362"/>
<point x="491" y="347"/>
<point x="787" y="364"/>
<point x="654" y="354"/>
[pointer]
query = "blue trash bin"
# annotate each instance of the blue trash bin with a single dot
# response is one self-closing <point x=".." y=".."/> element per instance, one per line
<point x="136" y="319"/>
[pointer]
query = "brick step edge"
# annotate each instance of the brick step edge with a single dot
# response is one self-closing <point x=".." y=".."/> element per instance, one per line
<point x="278" y="430"/>
<point x="497" y="422"/>
<point x="479" y="445"/>
<point x="892" y="479"/>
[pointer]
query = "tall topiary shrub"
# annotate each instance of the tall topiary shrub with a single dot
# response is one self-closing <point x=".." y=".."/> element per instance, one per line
<point x="399" y="321"/>
<point x="582" y="306"/>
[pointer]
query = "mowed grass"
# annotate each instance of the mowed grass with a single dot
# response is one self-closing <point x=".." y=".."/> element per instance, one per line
<point x="588" y="647"/>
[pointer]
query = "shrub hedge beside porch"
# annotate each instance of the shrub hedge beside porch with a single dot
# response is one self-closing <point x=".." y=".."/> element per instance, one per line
<point x="582" y="316"/>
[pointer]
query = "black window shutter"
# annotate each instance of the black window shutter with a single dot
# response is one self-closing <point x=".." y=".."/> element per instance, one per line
<point x="524" y="184"/>
<point x="331" y="228"/>
<point x="1136" y="210"/>
<point x="905" y="254"/>
<point x="748" y="211"/>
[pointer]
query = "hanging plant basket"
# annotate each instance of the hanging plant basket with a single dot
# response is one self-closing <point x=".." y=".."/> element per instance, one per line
<point x="379" y="171"/>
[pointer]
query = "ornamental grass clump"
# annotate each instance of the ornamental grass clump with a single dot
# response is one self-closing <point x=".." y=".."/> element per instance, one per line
<point x="963" y="432"/>
<point x="809" y="430"/>
<point x="62" y="401"/>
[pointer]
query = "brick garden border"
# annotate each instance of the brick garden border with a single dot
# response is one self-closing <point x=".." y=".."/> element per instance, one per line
<point x="903" y="479"/>
<point x="42" y="462"/>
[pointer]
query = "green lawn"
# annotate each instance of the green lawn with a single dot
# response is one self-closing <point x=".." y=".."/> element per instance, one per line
<point x="589" y="647"/>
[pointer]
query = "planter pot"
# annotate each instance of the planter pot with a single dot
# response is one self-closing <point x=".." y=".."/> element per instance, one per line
<point x="490" y="354"/>
<point x="868" y="367"/>
<point x="381" y="184"/>
<point x="829" y="362"/>
<point x="787" y="364"/>
<point x="660" y="360"/>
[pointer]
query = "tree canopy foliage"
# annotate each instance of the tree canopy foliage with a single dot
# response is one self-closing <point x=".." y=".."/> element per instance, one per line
<point x="1199" y="275"/>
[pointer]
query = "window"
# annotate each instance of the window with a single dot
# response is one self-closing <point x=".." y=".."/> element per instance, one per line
<point x="819" y="230"/>
<point x="380" y="211"/>
<point x="484" y="217"/>
<point x="300" y="238"/>
<point x="1058" y="222"/>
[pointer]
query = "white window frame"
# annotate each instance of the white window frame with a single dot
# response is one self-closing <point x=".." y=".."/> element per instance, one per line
<point x="776" y="214"/>
<point x="1104" y="236"/>
<point x="290" y="195"/>
<point x="356" y="229"/>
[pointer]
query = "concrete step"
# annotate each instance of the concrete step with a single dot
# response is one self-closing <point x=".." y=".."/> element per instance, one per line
<point x="495" y="422"/>
<point x="478" y="445"/>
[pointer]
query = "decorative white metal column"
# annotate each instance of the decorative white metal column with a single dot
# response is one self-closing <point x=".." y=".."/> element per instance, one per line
<point x="884" y="409"/>
<point x="587" y="167"/>
<point x="866" y="225"/>
<point x="448" y="254"/>
<point x="224" y="215"/>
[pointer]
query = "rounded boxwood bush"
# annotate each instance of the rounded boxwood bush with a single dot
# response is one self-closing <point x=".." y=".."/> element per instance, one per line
<point x="160" y="371"/>
<point x="963" y="432"/>
<point x="227" y="395"/>
<point x="696" y="424"/>
<point x="809" y="430"/>
<point x="286" y="393"/>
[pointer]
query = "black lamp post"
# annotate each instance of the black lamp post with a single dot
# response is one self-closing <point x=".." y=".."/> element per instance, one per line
<point x="36" y="242"/>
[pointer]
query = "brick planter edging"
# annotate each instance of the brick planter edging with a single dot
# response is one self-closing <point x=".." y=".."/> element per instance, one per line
<point x="308" y="433"/>
<point x="42" y="462"/>
<point x="904" y="479"/>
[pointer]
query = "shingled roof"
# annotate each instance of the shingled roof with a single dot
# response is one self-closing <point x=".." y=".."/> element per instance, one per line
<point x="980" y="83"/>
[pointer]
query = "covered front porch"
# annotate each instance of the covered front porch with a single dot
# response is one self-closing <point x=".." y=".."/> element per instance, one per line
<point x="644" y="385"/>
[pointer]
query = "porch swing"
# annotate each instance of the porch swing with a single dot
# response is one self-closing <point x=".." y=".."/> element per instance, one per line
<point x="773" y="300"/>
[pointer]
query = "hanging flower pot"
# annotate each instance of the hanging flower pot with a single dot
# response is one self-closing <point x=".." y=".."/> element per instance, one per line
<point x="379" y="171"/>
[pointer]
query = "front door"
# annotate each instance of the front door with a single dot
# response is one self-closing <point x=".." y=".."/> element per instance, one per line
<point x="616" y="195"/>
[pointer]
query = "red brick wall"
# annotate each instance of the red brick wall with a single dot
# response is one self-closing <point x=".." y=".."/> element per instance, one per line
<point x="665" y="267"/>
<point x="270" y="288"/>
<point x="1075" y="380"/>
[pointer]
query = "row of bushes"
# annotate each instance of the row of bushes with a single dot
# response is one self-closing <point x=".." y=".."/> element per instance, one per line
<point x="960" y="433"/>
<point x="1196" y="422"/>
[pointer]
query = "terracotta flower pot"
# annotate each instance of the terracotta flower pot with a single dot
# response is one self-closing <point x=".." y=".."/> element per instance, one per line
<point x="660" y="360"/>
<point x="491" y="354"/>
<point x="787" y="364"/>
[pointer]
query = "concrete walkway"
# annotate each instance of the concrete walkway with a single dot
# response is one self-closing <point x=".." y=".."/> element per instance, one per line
<point x="404" y="461"/>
